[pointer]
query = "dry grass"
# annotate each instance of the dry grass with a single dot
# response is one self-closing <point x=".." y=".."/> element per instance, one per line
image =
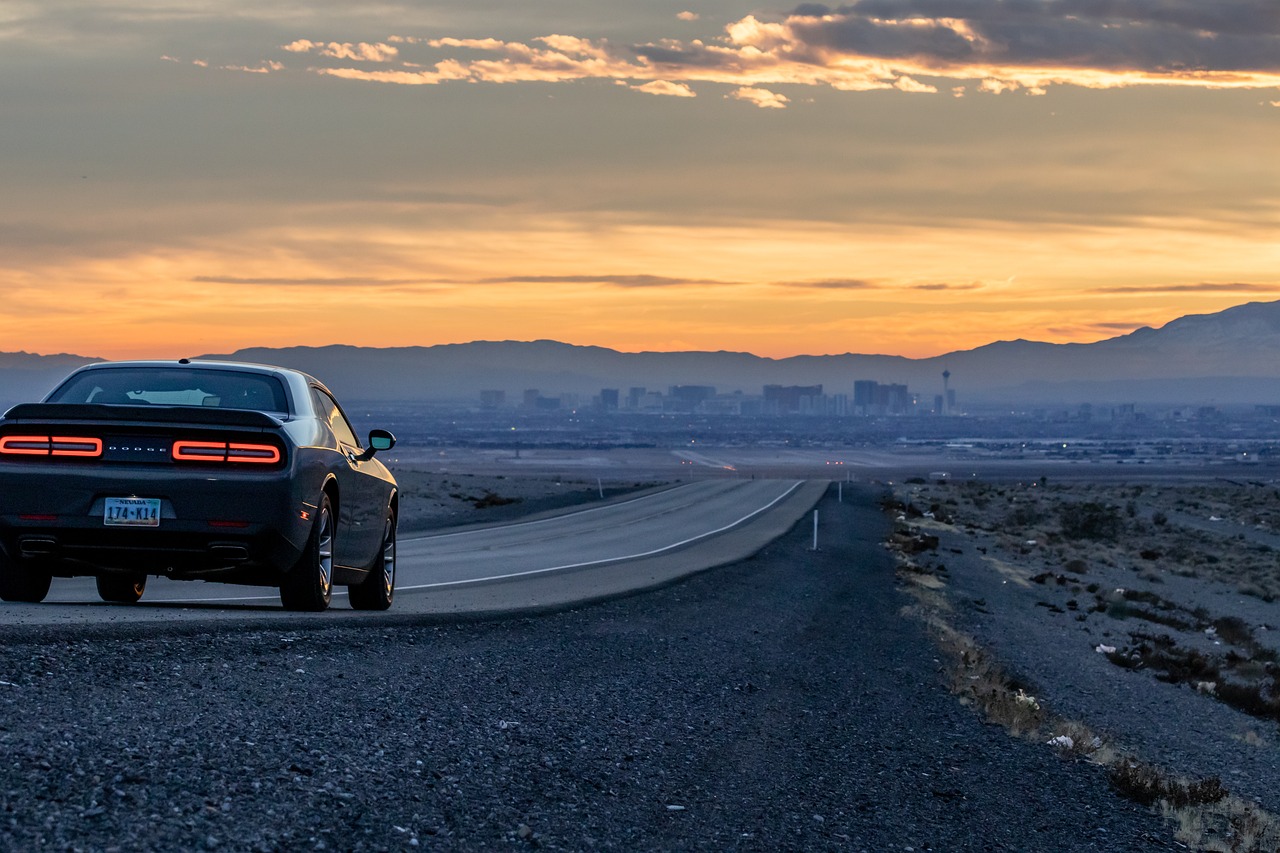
<point x="1203" y="813"/>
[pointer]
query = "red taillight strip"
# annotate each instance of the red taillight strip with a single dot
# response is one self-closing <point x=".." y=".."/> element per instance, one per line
<point x="25" y="445"/>
<point x="200" y="451"/>
<point x="74" y="446"/>
<point x="220" y="451"/>
<point x="43" y="445"/>
<point x="264" y="454"/>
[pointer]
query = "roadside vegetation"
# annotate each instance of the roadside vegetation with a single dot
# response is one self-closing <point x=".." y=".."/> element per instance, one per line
<point x="1070" y="542"/>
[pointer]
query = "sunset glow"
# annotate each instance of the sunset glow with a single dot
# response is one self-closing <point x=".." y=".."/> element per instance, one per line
<point x="872" y="178"/>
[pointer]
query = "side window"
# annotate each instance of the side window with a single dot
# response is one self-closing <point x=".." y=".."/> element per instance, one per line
<point x="328" y="409"/>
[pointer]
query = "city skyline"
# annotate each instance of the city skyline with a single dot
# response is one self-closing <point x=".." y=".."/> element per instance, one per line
<point x="879" y="177"/>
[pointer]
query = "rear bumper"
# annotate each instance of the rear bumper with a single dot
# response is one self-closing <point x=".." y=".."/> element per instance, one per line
<point x="248" y="527"/>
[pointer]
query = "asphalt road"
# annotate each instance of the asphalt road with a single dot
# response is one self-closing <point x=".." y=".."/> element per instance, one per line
<point x="777" y="703"/>
<point x="567" y="558"/>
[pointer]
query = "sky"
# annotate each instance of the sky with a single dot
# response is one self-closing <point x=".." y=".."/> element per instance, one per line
<point x="907" y="177"/>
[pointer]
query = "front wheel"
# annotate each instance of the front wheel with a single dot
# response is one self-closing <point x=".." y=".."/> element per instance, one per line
<point x="309" y="585"/>
<point x="23" y="582"/>
<point x="376" y="591"/>
<point x="121" y="589"/>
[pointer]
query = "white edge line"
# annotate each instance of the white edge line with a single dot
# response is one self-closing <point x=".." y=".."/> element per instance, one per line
<point x="336" y="593"/>
<point x="622" y="559"/>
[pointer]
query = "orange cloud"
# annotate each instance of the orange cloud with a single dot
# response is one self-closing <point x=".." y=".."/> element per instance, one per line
<point x="666" y="87"/>
<point x="880" y="44"/>
<point x="762" y="98"/>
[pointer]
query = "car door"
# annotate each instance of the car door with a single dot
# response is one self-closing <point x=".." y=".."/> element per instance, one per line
<point x="362" y="495"/>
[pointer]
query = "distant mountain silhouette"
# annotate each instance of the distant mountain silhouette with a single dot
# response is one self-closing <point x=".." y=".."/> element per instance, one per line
<point x="1230" y="357"/>
<point x="1225" y="358"/>
<point x="26" y="376"/>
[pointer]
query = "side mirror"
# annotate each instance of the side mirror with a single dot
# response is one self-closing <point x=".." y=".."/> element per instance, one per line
<point x="380" y="439"/>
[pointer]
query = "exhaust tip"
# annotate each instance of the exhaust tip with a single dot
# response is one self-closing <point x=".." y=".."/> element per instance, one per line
<point x="229" y="553"/>
<point x="37" y="546"/>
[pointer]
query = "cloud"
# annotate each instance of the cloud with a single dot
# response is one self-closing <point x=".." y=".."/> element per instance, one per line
<point x="1117" y="327"/>
<point x="863" y="284"/>
<point x="906" y="84"/>
<point x="666" y="87"/>
<point x="915" y="46"/>
<point x="309" y="282"/>
<point x="265" y="68"/>
<point x="832" y="284"/>
<point x="614" y="280"/>
<point x="1203" y="287"/>
<point x="360" y="52"/>
<point x="688" y="16"/>
<point x="762" y="98"/>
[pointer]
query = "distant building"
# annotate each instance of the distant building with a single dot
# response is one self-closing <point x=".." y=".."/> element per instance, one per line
<point x="864" y="396"/>
<point x="634" y="397"/>
<point x="609" y="399"/>
<point x="493" y="399"/>
<point x="686" y="398"/>
<point x="531" y="397"/>
<point x="790" y="399"/>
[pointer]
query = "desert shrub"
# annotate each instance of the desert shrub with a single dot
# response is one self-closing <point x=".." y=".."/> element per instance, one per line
<point x="1024" y="515"/>
<point x="1256" y="591"/>
<point x="1147" y="786"/>
<point x="492" y="499"/>
<point x="1092" y="520"/>
<point x="1159" y="519"/>
<point x="1234" y="630"/>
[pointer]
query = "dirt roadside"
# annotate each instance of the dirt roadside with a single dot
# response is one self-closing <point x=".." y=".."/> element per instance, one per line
<point x="1146" y="612"/>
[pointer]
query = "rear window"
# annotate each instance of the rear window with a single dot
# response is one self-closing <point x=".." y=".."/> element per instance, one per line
<point x="175" y="386"/>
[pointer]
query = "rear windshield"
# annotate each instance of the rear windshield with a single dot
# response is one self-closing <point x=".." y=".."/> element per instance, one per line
<point x="174" y="386"/>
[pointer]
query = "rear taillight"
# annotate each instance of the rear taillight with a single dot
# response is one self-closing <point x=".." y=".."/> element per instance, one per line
<point x="224" y="451"/>
<point x="50" y="445"/>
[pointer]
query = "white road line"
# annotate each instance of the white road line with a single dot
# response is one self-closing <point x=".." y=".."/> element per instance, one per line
<point x="729" y="526"/>
<point x="673" y="546"/>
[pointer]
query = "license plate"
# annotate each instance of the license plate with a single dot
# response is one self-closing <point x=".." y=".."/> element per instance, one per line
<point x="132" y="512"/>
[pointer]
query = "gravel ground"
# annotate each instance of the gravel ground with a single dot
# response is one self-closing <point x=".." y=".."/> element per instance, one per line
<point x="780" y="703"/>
<point x="1047" y="634"/>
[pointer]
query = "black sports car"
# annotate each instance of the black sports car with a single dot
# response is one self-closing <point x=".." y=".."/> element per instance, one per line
<point x="195" y="470"/>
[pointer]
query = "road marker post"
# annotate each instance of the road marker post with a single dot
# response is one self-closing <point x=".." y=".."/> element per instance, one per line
<point x="815" y="530"/>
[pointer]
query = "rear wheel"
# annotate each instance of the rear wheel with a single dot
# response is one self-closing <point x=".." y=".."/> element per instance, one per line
<point x="121" y="589"/>
<point x="376" y="591"/>
<point x="23" y="582"/>
<point x="309" y="585"/>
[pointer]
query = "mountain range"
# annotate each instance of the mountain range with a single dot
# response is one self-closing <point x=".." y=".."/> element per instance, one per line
<point x="1228" y="358"/>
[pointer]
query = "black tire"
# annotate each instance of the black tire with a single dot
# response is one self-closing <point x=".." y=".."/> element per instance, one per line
<point x="309" y="585"/>
<point x="121" y="589"/>
<point x="377" y="590"/>
<point x="23" y="582"/>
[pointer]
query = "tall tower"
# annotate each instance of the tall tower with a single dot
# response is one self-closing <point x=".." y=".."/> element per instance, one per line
<point x="946" y="392"/>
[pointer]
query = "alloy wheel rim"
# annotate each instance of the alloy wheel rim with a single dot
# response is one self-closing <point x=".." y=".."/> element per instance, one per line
<point x="389" y="558"/>
<point x="324" y="552"/>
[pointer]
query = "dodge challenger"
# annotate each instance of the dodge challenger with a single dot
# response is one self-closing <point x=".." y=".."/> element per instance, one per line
<point x="195" y="470"/>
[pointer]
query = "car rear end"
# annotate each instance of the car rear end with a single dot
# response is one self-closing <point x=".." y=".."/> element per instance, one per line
<point x="184" y="491"/>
